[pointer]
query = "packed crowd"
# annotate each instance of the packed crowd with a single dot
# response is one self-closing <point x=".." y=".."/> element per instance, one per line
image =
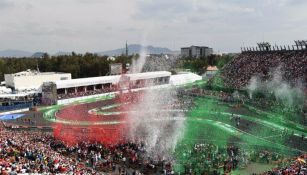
<point x="207" y="158"/>
<point x="38" y="152"/>
<point x="239" y="72"/>
<point x="16" y="103"/>
<point x="204" y="157"/>
<point x="294" y="166"/>
<point x="29" y="152"/>
<point x="204" y="92"/>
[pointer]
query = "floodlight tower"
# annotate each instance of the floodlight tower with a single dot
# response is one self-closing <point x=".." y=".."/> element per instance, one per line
<point x="301" y="44"/>
<point x="304" y="43"/>
<point x="264" y="46"/>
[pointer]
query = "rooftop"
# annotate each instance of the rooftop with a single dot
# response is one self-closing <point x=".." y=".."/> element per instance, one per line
<point x="212" y="68"/>
<point x="196" y="47"/>
<point x="108" y="79"/>
<point x="30" y="72"/>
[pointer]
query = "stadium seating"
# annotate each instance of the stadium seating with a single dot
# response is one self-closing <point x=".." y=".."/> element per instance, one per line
<point x="292" y="66"/>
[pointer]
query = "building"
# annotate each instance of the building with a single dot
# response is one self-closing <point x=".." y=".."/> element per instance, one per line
<point x="196" y="51"/>
<point x="32" y="80"/>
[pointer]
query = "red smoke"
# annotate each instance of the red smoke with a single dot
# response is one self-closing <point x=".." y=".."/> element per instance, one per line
<point x="93" y="127"/>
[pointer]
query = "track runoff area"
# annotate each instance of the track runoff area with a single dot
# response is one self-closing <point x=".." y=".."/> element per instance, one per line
<point x="208" y="120"/>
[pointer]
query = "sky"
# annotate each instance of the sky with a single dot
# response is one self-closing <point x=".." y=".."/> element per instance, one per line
<point x="99" y="25"/>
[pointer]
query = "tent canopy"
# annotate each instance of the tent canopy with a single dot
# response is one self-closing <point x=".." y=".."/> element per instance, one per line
<point x="108" y="79"/>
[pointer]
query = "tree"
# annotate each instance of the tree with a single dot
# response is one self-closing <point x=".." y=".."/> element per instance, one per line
<point x="80" y="66"/>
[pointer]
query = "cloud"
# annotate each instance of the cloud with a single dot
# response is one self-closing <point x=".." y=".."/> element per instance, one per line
<point x="173" y="10"/>
<point x="5" y="4"/>
<point x="97" y="25"/>
<point x="163" y="10"/>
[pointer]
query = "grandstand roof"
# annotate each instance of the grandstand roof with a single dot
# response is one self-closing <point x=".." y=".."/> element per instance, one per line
<point x="86" y="81"/>
<point x="148" y="75"/>
<point x="30" y="72"/>
<point x="13" y="95"/>
<point x="108" y="79"/>
<point x="184" y="78"/>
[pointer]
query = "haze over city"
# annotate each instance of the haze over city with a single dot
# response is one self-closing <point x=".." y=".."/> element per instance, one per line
<point x="99" y="25"/>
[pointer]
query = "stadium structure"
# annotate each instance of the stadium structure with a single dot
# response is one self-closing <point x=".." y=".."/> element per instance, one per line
<point x="31" y="87"/>
<point x="71" y="89"/>
<point x="251" y="113"/>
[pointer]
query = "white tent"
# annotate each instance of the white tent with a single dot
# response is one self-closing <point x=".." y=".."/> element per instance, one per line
<point x="148" y="75"/>
<point x="184" y="78"/>
<point x="5" y="90"/>
<point x="86" y="81"/>
<point x="108" y="79"/>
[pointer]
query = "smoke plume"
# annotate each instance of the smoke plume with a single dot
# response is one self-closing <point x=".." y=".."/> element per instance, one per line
<point x="289" y="95"/>
<point x="157" y="123"/>
<point x="154" y="120"/>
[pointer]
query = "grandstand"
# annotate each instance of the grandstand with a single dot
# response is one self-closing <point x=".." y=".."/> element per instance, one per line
<point x="67" y="91"/>
<point x="87" y="87"/>
<point x="262" y="61"/>
<point x="11" y="102"/>
<point x="300" y="45"/>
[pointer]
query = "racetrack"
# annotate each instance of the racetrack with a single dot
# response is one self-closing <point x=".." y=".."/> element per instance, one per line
<point x="207" y="120"/>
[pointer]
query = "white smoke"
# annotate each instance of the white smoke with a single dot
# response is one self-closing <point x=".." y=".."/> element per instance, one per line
<point x="156" y="123"/>
<point x="253" y="85"/>
<point x="280" y="89"/>
<point x="236" y="95"/>
<point x="138" y="63"/>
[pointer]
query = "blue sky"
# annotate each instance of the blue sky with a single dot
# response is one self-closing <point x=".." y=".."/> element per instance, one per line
<point x="98" y="25"/>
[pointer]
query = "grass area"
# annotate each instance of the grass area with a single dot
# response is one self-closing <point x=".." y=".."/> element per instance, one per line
<point x="212" y="122"/>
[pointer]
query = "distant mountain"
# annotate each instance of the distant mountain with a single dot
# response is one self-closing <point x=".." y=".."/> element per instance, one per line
<point x="15" y="53"/>
<point x="38" y="54"/>
<point x="133" y="49"/>
<point x="136" y="48"/>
